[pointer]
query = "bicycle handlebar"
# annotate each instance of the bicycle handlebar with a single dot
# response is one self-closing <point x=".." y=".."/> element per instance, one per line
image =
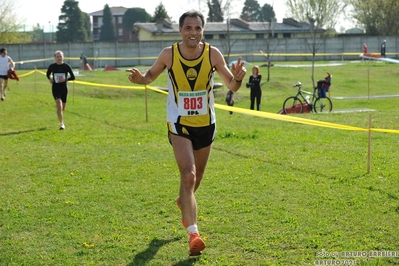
<point x="299" y="84"/>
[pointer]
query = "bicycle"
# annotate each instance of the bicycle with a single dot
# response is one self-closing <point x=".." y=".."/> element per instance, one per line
<point x="294" y="104"/>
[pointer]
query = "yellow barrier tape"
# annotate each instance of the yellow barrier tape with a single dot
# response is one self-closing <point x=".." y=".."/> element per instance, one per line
<point x="35" y="60"/>
<point x="385" y="130"/>
<point x="113" y="58"/>
<point x="157" y="90"/>
<point x="274" y="54"/>
<point x="108" y="86"/>
<point x="287" y="118"/>
<point x="300" y="120"/>
<point x="26" y="74"/>
<point x="101" y="85"/>
<point x="280" y="117"/>
<point x="41" y="72"/>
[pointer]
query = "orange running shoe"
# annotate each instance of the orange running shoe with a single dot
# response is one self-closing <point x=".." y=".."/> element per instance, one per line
<point x="196" y="244"/>
<point x="179" y="206"/>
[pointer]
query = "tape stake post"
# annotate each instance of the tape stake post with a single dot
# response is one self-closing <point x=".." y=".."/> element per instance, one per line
<point x="369" y="147"/>
<point x="73" y="93"/>
<point x="35" y="78"/>
<point x="368" y="83"/>
<point x="146" y="103"/>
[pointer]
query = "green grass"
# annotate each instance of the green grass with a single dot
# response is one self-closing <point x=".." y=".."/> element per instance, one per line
<point x="102" y="192"/>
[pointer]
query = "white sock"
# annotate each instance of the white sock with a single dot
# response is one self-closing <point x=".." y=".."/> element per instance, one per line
<point x="192" y="228"/>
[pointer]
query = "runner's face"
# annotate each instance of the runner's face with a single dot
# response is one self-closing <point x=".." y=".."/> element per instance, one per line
<point x="192" y="31"/>
<point x="58" y="58"/>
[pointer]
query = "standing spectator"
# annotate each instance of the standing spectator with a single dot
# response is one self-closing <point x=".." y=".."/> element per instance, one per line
<point x="254" y="84"/>
<point x="57" y="74"/>
<point x="83" y="63"/>
<point x="365" y="49"/>
<point x="230" y="99"/>
<point x="191" y="122"/>
<point x="383" y="48"/>
<point x="324" y="86"/>
<point x="5" y="62"/>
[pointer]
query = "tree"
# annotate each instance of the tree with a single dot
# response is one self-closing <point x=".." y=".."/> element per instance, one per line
<point x="313" y="44"/>
<point x="87" y="24"/>
<point x="267" y="13"/>
<point x="377" y="17"/>
<point x="160" y="13"/>
<point x="72" y="23"/>
<point x="251" y="11"/>
<point x="215" y="13"/>
<point x="225" y="7"/>
<point x="107" y="32"/>
<point x="219" y="11"/>
<point x="37" y="33"/>
<point x="325" y="12"/>
<point x="9" y="25"/>
<point x="133" y="15"/>
<point x="318" y="14"/>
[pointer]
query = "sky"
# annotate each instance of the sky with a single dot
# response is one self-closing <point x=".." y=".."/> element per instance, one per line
<point x="46" y="12"/>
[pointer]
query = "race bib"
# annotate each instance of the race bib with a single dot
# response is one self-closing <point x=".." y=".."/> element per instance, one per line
<point x="59" y="77"/>
<point x="192" y="103"/>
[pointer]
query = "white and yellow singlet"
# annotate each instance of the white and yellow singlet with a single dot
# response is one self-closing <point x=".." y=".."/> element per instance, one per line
<point x="190" y="83"/>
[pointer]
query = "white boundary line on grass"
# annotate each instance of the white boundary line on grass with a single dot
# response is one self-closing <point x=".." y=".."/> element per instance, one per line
<point x="365" y="97"/>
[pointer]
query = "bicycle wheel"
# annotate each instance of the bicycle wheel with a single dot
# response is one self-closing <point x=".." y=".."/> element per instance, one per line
<point x="292" y="105"/>
<point x="322" y="105"/>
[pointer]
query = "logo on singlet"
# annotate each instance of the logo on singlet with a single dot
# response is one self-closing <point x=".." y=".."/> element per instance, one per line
<point x="191" y="74"/>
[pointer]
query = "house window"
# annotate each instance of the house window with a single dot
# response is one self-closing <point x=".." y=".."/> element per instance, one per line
<point x="260" y="36"/>
<point x="208" y="36"/>
<point x="119" y="20"/>
<point x="286" y="35"/>
<point x="120" y="32"/>
<point x="222" y="36"/>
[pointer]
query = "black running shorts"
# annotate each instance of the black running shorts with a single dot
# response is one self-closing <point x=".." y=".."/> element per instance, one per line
<point x="200" y="137"/>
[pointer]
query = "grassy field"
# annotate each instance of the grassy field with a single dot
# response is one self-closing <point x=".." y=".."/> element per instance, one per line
<point x="102" y="192"/>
